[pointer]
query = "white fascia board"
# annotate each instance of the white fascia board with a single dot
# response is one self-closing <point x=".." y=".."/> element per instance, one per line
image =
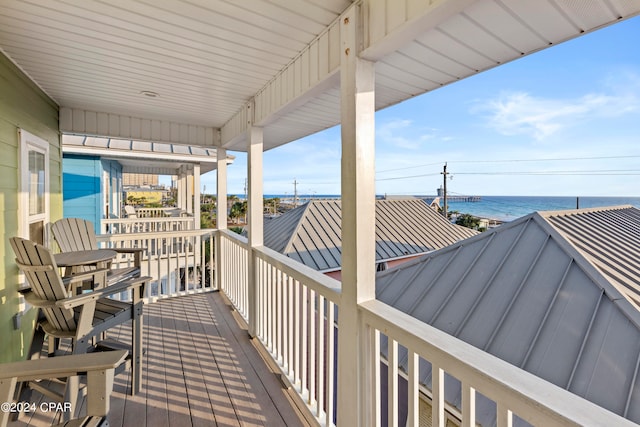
<point x="387" y="29"/>
<point x="113" y="153"/>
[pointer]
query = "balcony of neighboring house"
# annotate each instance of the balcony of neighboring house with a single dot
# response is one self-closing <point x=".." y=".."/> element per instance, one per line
<point x="234" y="332"/>
<point x="94" y="178"/>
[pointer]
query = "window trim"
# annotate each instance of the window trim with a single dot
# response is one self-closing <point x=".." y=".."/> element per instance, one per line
<point x="30" y="142"/>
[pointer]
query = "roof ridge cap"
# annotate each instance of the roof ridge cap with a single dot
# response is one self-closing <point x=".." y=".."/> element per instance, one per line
<point x="566" y="212"/>
<point x="294" y="232"/>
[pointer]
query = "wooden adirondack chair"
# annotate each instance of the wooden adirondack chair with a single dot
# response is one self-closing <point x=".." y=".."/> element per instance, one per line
<point x="99" y="368"/>
<point x="75" y="234"/>
<point x="130" y="211"/>
<point x="80" y="317"/>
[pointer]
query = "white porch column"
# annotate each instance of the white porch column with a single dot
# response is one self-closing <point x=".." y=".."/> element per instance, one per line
<point x="221" y="189"/>
<point x="196" y="196"/>
<point x="358" y="224"/>
<point x="181" y="188"/>
<point x="255" y="217"/>
<point x="221" y="210"/>
<point x="190" y="189"/>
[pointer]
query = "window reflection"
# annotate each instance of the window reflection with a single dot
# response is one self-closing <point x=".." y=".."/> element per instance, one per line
<point x="36" y="183"/>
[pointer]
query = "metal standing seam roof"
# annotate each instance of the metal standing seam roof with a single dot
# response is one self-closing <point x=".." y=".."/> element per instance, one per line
<point x="311" y="234"/>
<point x="526" y="293"/>
<point x="610" y="239"/>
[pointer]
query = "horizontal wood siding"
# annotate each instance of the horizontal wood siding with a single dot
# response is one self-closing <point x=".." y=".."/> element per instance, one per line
<point x="85" y="122"/>
<point x="82" y="197"/>
<point x="22" y="105"/>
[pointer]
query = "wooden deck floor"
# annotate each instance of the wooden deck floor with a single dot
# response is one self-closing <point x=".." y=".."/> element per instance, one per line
<point x="201" y="369"/>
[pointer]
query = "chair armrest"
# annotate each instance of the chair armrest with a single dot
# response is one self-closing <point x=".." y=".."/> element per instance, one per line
<point x="62" y="366"/>
<point x="80" y="277"/>
<point x="34" y="300"/>
<point x="125" y="285"/>
<point x="99" y="368"/>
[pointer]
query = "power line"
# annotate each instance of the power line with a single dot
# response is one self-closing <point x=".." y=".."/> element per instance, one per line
<point x="408" y="167"/>
<point x="552" y="159"/>
<point x="407" y="177"/>
<point x="560" y="172"/>
<point x="549" y="159"/>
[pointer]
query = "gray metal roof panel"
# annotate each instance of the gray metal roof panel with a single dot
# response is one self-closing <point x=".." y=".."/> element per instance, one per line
<point x="526" y="294"/>
<point x="609" y="238"/>
<point x="279" y="231"/>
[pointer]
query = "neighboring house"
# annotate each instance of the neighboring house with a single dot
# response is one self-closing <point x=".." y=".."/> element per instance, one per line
<point x="94" y="167"/>
<point x="553" y="293"/>
<point x="405" y="228"/>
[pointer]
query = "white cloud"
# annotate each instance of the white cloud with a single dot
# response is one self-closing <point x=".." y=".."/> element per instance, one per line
<point x="520" y="113"/>
<point x="404" y="134"/>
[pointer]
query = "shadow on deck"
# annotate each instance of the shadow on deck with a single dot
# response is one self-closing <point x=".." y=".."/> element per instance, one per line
<point x="201" y="369"/>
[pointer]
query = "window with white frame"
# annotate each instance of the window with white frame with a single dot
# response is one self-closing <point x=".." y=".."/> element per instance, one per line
<point x="34" y="183"/>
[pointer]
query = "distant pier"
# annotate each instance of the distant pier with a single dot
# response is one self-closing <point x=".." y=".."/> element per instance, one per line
<point x="464" y="198"/>
<point x="457" y="197"/>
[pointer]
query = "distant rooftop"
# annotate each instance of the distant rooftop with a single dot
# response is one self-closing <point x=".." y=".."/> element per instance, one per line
<point x="311" y="233"/>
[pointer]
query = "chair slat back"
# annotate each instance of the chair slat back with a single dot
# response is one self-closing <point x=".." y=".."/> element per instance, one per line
<point x="74" y="234"/>
<point x="130" y="211"/>
<point x="41" y="272"/>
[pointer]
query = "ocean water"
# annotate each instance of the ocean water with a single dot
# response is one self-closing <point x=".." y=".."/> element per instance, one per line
<point x="507" y="208"/>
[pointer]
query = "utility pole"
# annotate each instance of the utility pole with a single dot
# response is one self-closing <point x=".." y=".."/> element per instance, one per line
<point x="295" y="193"/>
<point x="245" y="188"/>
<point x="444" y="174"/>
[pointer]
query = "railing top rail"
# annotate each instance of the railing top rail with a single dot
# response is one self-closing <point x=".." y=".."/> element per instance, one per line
<point x="528" y="396"/>
<point x="146" y="219"/>
<point x="241" y="240"/>
<point x="141" y="236"/>
<point x="321" y="283"/>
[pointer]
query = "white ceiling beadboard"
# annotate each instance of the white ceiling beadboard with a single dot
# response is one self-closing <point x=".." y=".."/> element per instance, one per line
<point x="207" y="60"/>
<point x="204" y="58"/>
<point x="486" y="34"/>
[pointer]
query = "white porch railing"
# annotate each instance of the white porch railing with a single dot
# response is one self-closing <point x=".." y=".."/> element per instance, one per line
<point x="146" y="225"/>
<point x="180" y="262"/>
<point x="296" y="323"/>
<point x="297" y="315"/>
<point x="160" y="212"/>
<point x="234" y="279"/>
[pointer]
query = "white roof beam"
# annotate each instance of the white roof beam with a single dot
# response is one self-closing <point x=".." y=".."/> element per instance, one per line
<point x="389" y="24"/>
<point x="312" y="72"/>
<point x="392" y="24"/>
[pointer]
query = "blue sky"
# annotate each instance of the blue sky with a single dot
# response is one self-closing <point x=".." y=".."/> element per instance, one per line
<point x="561" y="122"/>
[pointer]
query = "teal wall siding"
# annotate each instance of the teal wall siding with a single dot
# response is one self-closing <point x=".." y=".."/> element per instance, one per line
<point x="82" y="183"/>
<point x="22" y="106"/>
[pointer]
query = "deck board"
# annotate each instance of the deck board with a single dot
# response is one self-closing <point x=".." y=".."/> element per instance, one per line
<point x="200" y="369"/>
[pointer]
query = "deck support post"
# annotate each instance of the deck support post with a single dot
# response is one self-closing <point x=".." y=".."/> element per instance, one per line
<point x="180" y="199"/>
<point x="221" y="210"/>
<point x="357" y="92"/>
<point x="255" y="219"/>
<point x="197" y="196"/>
<point x="188" y="180"/>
